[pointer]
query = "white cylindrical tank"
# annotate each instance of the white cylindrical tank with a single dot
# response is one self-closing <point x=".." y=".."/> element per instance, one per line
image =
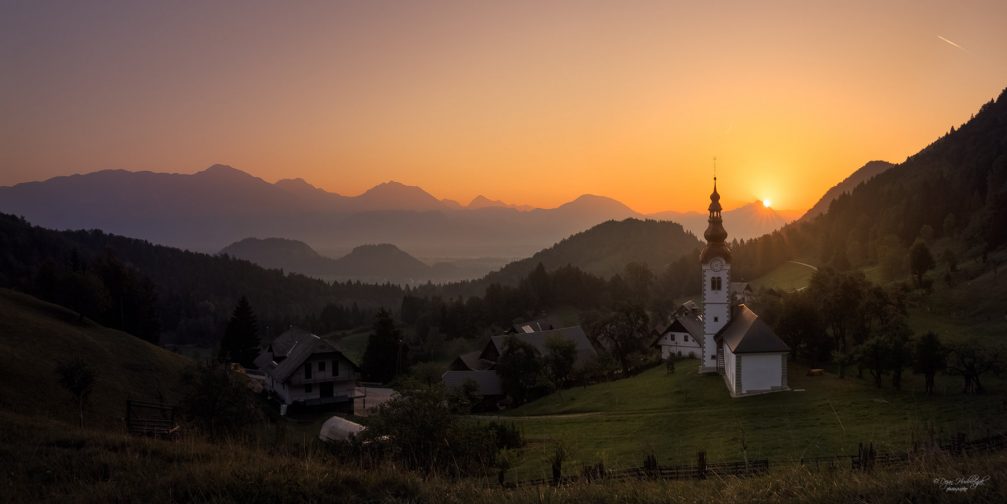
<point x="339" y="429"/>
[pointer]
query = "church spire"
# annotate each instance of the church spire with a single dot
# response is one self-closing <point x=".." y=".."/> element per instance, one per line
<point x="715" y="233"/>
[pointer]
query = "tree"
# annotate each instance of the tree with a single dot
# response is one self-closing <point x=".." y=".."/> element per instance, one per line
<point x="624" y="333"/>
<point x="920" y="261"/>
<point x="77" y="377"/>
<point x="521" y="370"/>
<point x="873" y="356"/>
<point x="640" y="280"/>
<point x="950" y="260"/>
<point x="241" y="338"/>
<point x="560" y="356"/>
<point x="929" y="357"/>
<point x="801" y="327"/>
<point x="971" y="361"/>
<point x="422" y="433"/>
<point x="218" y="401"/>
<point x="897" y="338"/>
<point x="382" y="356"/>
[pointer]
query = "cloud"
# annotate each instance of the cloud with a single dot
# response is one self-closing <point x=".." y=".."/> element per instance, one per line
<point x="952" y="43"/>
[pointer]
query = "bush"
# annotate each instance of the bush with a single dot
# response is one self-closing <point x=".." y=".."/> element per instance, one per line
<point x="218" y="402"/>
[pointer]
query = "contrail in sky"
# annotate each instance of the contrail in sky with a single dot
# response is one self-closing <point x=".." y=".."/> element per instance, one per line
<point x="952" y="43"/>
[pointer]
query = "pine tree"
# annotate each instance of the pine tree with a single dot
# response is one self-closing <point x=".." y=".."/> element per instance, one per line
<point x="241" y="338"/>
<point x="381" y="358"/>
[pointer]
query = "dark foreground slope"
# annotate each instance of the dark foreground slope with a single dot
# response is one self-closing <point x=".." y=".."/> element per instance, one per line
<point x="49" y="461"/>
<point x="35" y="336"/>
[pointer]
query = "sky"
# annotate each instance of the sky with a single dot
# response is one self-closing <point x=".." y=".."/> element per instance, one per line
<point x="530" y="102"/>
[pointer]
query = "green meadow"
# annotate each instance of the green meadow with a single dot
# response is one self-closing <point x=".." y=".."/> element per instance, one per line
<point x="674" y="416"/>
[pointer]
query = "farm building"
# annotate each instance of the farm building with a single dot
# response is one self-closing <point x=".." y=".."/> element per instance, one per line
<point x="682" y="338"/>
<point x="303" y="369"/>
<point x="480" y="366"/>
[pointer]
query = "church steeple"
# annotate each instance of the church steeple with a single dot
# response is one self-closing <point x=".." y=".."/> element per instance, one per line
<point x="715" y="233"/>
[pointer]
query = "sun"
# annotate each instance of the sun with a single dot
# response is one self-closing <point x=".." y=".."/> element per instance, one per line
<point x="767" y="203"/>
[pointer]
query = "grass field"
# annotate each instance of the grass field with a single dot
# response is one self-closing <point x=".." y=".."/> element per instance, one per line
<point x="35" y="336"/>
<point x="789" y="276"/>
<point x="675" y="416"/>
<point x="50" y="461"/>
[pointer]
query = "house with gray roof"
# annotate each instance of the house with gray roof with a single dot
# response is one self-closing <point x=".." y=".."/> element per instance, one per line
<point x="480" y="366"/>
<point x="683" y="337"/>
<point x="305" y="370"/>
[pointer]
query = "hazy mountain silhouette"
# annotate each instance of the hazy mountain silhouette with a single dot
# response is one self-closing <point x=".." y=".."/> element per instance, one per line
<point x="742" y="223"/>
<point x="607" y="248"/>
<point x="863" y="174"/>
<point x="367" y="263"/>
<point x="220" y="205"/>
<point x="481" y="201"/>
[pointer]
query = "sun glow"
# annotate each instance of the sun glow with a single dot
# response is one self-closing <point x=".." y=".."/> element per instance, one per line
<point x="767" y="203"/>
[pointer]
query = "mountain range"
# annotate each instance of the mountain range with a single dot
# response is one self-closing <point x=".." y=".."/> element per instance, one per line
<point x="207" y="210"/>
<point x="377" y="263"/>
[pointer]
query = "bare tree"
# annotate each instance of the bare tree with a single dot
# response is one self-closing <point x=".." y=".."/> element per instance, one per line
<point x="77" y="377"/>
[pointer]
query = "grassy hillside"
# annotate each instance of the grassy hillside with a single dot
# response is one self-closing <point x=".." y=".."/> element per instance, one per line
<point x="789" y="276"/>
<point x="35" y="336"/>
<point x="46" y="460"/>
<point x="675" y="416"/>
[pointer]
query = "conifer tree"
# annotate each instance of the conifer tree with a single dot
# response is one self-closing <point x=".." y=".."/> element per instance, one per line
<point x="241" y="338"/>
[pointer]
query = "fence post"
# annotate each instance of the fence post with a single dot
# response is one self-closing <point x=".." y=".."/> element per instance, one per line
<point x="701" y="465"/>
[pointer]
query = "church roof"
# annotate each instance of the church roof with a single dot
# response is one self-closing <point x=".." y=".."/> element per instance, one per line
<point x="747" y="333"/>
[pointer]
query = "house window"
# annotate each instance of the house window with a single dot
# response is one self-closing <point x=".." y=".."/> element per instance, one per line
<point x="307" y="371"/>
<point x="321" y="366"/>
<point x="713" y="357"/>
<point x="685" y="338"/>
<point x="716" y="319"/>
<point x="307" y="389"/>
<point x="335" y="368"/>
<point x="715" y="283"/>
<point x="672" y="337"/>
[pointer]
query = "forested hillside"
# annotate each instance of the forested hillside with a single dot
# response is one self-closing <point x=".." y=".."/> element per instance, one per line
<point x="151" y="290"/>
<point x="604" y="250"/>
<point x="956" y="187"/>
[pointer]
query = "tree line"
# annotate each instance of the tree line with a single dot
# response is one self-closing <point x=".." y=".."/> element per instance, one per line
<point x="844" y="319"/>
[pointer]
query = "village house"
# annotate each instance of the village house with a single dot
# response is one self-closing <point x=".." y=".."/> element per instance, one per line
<point x="303" y="369"/>
<point x="683" y="337"/>
<point x="742" y="292"/>
<point x="480" y="366"/>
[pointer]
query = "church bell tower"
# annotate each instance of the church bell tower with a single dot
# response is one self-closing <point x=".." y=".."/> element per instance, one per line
<point x="716" y="264"/>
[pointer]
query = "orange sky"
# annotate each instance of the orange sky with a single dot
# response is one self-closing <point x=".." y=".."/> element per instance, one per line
<point x="529" y="102"/>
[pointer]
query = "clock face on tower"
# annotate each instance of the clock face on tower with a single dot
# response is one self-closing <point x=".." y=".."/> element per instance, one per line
<point x="717" y="264"/>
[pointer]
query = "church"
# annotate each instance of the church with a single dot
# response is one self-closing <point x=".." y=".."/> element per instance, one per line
<point x="736" y="344"/>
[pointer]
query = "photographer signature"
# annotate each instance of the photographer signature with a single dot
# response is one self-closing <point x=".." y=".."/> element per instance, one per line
<point x="961" y="484"/>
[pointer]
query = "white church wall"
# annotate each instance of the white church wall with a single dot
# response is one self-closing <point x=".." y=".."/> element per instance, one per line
<point x="761" y="372"/>
<point x="729" y="366"/>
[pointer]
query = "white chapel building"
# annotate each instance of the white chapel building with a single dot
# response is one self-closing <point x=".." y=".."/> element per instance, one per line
<point x="736" y="343"/>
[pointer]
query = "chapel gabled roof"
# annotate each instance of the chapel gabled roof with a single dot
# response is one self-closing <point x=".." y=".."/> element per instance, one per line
<point x="747" y="333"/>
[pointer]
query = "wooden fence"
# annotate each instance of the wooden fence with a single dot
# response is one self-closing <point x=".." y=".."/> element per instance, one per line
<point x="701" y="470"/>
<point x="145" y="418"/>
<point x="866" y="459"/>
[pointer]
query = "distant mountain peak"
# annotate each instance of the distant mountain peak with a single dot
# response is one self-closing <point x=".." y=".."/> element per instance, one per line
<point x="222" y="169"/>
<point x="481" y="201"/>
